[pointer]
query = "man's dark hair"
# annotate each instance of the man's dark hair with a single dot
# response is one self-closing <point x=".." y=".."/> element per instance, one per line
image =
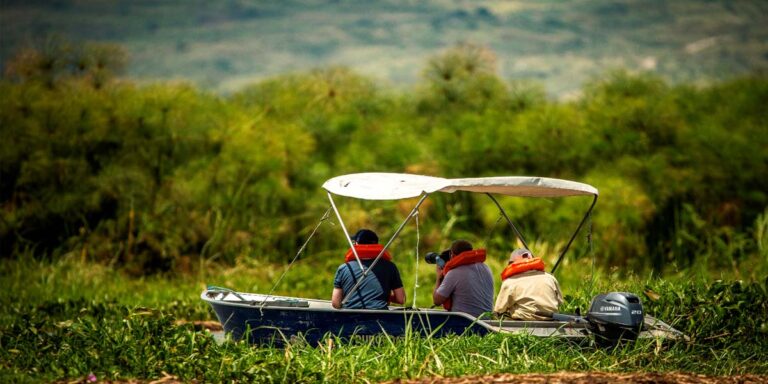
<point x="365" y="236"/>
<point x="460" y="246"/>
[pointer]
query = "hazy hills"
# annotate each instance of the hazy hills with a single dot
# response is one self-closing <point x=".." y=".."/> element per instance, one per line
<point x="222" y="45"/>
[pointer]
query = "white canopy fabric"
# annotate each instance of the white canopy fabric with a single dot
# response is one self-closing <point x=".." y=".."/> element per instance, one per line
<point x="522" y="186"/>
<point x="394" y="186"/>
<point x="383" y="186"/>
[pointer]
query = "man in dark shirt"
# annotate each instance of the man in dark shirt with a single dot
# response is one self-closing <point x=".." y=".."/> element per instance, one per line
<point x="380" y="286"/>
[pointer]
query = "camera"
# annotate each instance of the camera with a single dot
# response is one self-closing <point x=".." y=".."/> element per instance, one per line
<point x="438" y="258"/>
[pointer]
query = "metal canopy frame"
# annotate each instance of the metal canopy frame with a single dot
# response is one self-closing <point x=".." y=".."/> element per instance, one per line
<point x="414" y="212"/>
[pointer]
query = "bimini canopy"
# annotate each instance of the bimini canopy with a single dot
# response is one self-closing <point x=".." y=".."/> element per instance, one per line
<point x="394" y="186"/>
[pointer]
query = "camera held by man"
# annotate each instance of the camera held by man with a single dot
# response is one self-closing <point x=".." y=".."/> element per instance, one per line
<point x="438" y="258"/>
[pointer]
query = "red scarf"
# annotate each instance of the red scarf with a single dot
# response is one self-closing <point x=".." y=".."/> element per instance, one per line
<point x="464" y="258"/>
<point x="524" y="266"/>
<point x="367" y="251"/>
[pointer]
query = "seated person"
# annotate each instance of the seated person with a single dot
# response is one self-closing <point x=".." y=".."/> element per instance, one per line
<point x="465" y="284"/>
<point x="382" y="284"/>
<point x="526" y="289"/>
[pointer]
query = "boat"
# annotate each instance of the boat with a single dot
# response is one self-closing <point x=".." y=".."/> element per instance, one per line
<point x="263" y="318"/>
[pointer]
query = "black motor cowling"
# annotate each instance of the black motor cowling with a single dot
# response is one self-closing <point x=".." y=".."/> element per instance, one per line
<point x="614" y="317"/>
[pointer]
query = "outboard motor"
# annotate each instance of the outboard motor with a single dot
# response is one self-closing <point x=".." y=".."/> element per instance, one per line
<point x="614" y="317"/>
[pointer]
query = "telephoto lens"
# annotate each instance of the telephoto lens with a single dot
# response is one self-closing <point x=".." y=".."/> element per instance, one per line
<point x="431" y="257"/>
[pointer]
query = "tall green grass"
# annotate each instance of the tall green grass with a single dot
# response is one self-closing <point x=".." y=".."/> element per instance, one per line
<point x="66" y="319"/>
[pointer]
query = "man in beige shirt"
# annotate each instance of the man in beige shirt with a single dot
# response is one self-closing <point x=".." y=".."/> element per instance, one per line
<point x="527" y="289"/>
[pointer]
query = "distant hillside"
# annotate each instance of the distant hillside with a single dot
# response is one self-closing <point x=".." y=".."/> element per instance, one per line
<point x="222" y="45"/>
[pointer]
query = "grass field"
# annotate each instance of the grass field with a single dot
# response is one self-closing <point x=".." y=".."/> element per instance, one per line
<point x="67" y="319"/>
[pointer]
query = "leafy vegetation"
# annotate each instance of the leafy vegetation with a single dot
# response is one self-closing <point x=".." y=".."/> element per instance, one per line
<point x="61" y="322"/>
<point x="166" y="177"/>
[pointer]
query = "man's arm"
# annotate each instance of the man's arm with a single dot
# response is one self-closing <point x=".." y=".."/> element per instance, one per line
<point x="337" y="297"/>
<point x="502" y="300"/>
<point x="437" y="298"/>
<point x="399" y="296"/>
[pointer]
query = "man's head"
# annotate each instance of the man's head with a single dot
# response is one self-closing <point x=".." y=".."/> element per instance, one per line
<point x="460" y="246"/>
<point x="520" y="254"/>
<point x="365" y="236"/>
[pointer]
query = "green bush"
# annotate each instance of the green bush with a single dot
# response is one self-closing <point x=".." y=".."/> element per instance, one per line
<point x="165" y="177"/>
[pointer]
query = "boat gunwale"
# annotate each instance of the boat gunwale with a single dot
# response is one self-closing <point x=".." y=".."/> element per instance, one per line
<point x="254" y="304"/>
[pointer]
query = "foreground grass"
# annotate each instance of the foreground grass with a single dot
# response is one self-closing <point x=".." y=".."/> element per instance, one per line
<point x="67" y="320"/>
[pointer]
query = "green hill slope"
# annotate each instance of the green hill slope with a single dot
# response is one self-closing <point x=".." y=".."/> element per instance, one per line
<point x="225" y="45"/>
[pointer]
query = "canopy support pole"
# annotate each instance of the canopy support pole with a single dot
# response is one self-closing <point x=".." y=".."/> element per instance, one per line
<point x="346" y="234"/>
<point x="413" y="213"/>
<point x="565" y="249"/>
<point x="504" y="213"/>
<point x="416" y="264"/>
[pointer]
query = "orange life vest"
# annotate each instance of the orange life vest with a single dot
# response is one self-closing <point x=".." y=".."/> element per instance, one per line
<point x="513" y="269"/>
<point x="367" y="251"/>
<point x="464" y="258"/>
